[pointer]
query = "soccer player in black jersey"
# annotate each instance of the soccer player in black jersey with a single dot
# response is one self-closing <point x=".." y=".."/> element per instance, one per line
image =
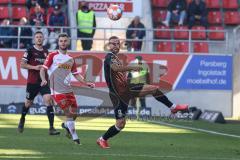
<point x="120" y="92"/>
<point x="33" y="60"/>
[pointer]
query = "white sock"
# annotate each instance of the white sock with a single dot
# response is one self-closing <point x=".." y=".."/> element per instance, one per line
<point x="173" y="106"/>
<point x="71" y="127"/>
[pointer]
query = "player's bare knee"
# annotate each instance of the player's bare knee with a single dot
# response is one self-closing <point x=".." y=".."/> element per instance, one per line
<point x="28" y="103"/>
<point x="47" y="100"/>
<point x="120" y="124"/>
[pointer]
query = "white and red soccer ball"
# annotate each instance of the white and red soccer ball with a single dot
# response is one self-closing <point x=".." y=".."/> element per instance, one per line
<point x="114" y="12"/>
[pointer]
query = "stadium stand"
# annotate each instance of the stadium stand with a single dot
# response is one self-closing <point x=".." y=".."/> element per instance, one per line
<point x="181" y="32"/>
<point x="22" y="2"/>
<point x="199" y="32"/>
<point x="201" y="47"/>
<point x="213" y="4"/>
<point x="218" y="35"/>
<point x="230" y="4"/>
<point x="18" y="12"/>
<point x="4" y="12"/>
<point x="232" y="18"/>
<point x="163" y="32"/>
<point x="181" y="47"/>
<point x="215" y="18"/>
<point x="222" y="16"/>
<point x="4" y="1"/>
<point x="164" y="47"/>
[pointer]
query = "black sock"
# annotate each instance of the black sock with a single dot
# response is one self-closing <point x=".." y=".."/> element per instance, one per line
<point x="162" y="98"/>
<point x="50" y="114"/>
<point x="24" y="111"/>
<point x="112" y="131"/>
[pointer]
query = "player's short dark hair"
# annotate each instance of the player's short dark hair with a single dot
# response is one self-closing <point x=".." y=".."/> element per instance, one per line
<point x="38" y="32"/>
<point x="63" y="35"/>
<point x="113" y="37"/>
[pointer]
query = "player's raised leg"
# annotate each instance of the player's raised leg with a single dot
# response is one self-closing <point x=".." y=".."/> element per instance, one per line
<point x="158" y="95"/>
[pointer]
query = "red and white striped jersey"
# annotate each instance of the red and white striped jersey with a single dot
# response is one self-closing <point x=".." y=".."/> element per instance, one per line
<point x="60" y="66"/>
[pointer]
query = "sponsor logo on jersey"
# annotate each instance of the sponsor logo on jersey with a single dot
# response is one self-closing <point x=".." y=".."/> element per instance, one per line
<point x="64" y="66"/>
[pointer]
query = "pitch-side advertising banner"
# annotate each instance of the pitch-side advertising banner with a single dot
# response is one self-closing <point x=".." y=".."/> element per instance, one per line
<point x="168" y="71"/>
<point x="130" y="8"/>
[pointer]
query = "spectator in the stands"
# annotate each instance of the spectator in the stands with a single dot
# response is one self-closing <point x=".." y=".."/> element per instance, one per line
<point x="40" y="27"/>
<point x="24" y="32"/>
<point x="197" y="11"/>
<point x="37" y="15"/>
<point x="56" y="18"/>
<point x="32" y="3"/>
<point x="136" y="31"/>
<point x="86" y="18"/>
<point x="176" y="12"/>
<point x="5" y="30"/>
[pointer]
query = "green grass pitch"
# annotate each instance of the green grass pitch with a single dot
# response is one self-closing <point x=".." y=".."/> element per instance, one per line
<point x="138" y="141"/>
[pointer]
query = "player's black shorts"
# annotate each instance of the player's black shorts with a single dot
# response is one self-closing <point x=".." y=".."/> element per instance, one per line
<point x="33" y="90"/>
<point x="120" y="103"/>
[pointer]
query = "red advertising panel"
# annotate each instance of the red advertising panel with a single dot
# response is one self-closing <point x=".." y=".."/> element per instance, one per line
<point x="91" y="66"/>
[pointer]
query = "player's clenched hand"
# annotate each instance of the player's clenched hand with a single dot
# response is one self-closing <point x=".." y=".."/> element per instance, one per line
<point x="90" y="84"/>
<point x="38" y="67"/>
<point x="43" y="83"/>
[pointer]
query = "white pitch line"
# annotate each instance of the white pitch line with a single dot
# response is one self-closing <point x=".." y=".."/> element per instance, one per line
<point x="154" y="156"/>
<point x="195" y="129"/>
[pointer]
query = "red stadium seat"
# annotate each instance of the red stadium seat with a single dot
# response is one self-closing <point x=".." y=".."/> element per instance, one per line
<point x="230" y="4"/>
<point x="200" y="47"/>
<point x="216" y="35"/>
<point x="162" y="33"/>
<point x="199" y="33"/>
<point x="4" y="13"/>
<point x="181" y="47"/>
<point x="4" y="1"/>
<point x="159" y="15"/>
<point x="164" y="47"/>
<point x="160" y="3"/>
<point x="19" y="12"/>
<point x="232" y="17"/>
<point x="181" y="32"/>
<point x="214" y="17"/>
<point x="213" y="3"/>
<point x="18" y="1"/>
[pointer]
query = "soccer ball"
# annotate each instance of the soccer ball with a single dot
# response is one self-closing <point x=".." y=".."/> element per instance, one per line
<point x="114" y="12"/>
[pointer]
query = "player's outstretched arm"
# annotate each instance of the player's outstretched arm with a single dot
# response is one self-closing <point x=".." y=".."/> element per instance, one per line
<point x="83" y="81"/>
<point x="43" y="76"/>
<point x="25" y="65"/>
<point x="118" y="68"/>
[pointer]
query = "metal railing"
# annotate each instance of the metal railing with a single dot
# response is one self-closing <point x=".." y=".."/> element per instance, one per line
<point x="102" y="35"/>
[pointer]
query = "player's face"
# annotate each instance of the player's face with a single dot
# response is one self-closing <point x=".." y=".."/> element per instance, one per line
<point x="114" y="45"/>
<point x="38" y="39"/>
<point x="63" y="43"/>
